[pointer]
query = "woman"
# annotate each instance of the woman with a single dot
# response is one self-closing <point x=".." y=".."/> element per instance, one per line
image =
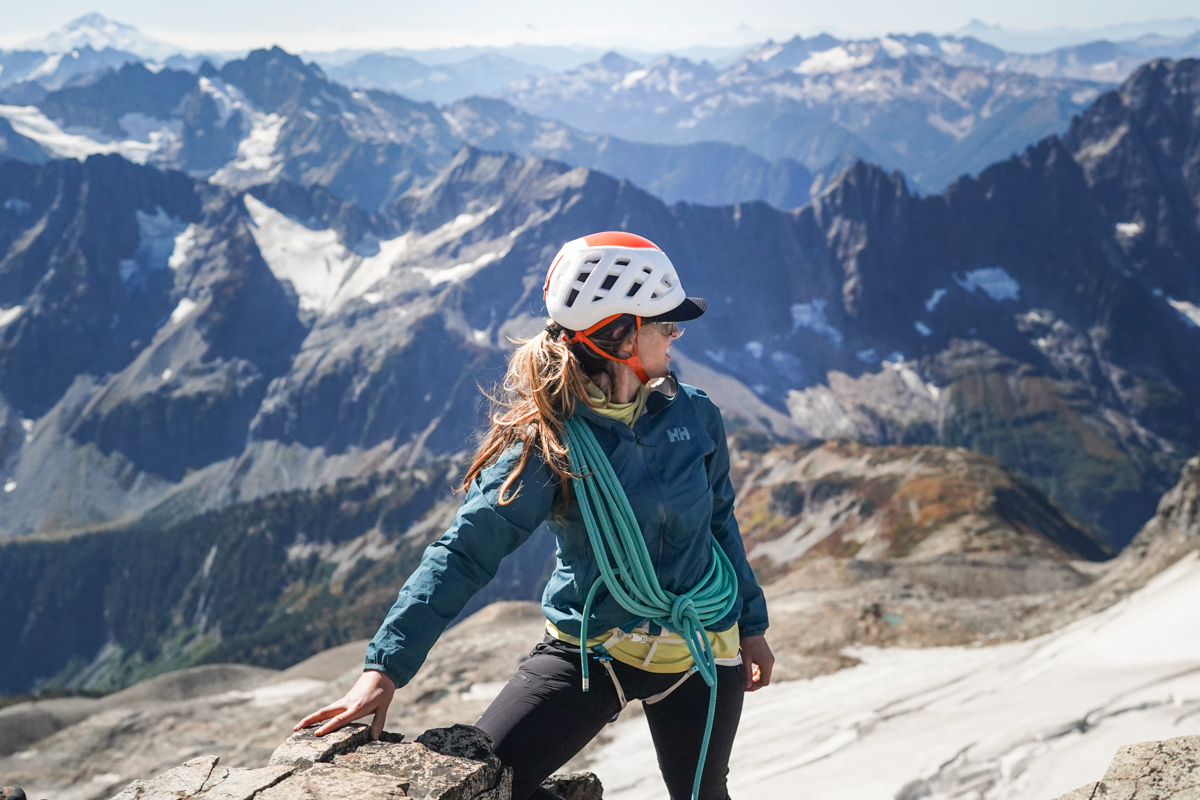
<point x="614" y="300"/>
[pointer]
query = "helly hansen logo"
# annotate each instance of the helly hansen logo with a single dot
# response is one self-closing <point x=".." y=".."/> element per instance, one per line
<point x="678" y="434"/>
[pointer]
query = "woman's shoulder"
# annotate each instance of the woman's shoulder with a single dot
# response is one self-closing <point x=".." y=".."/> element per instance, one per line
<point x="699" y="398"/>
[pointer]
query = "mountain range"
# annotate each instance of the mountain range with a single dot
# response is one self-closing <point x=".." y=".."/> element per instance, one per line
<point x="253" y="352"/>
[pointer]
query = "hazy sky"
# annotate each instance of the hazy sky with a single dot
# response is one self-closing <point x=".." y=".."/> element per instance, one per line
<point x="645" y="24"/>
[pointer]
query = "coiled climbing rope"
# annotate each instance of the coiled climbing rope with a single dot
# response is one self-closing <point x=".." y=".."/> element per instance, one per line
<point x="628" y="572"/>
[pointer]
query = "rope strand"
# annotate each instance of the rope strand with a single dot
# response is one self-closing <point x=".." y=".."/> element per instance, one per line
<point x="627" y="570"/>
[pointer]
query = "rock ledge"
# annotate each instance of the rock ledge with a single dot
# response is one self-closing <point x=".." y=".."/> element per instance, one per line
<point x="1167" y="770"/>
<point x="453" y="763"/>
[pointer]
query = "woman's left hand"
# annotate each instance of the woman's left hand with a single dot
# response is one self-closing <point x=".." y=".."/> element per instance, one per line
<point x="757" y="658"/>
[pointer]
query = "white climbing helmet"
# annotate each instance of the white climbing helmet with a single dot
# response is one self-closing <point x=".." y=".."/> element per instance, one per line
<point x="600" y="276"/>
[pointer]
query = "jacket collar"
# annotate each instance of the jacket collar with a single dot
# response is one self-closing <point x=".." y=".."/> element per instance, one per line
<point x="662" y="394"/>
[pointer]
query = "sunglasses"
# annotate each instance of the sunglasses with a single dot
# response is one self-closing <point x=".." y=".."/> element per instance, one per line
<point x="667" y="329"/>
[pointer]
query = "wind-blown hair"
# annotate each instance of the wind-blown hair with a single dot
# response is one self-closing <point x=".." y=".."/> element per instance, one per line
<point x="546" y="378"/>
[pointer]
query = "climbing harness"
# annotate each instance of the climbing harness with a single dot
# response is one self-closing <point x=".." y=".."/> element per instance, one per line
<point x="627" y="571"/>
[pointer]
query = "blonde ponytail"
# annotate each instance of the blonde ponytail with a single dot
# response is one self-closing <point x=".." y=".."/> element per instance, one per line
<point x="543" y="383"/>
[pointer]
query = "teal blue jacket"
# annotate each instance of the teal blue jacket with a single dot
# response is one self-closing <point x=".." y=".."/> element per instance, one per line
<point x="674" y="467"/>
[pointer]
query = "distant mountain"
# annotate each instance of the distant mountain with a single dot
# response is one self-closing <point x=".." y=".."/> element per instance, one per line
<point x="26" y="76"/>
<point x="256" y="119"/>
<point x="483" y="74"/>
<point x="270" y="115"/>
<point x="710" y="173"/>
<point x="99" y="33"/>
<point x="1020" y="41"/>
<point x="916" y="113"/>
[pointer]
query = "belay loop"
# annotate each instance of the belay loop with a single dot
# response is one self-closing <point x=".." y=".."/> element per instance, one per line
<point x="627" y="571"/>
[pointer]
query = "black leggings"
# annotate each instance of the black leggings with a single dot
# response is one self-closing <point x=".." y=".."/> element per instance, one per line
<point x="543" y="717"/>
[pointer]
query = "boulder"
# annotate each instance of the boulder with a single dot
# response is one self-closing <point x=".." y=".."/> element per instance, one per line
<point x="1167" y="770"/>
<point x="454" y="763"/>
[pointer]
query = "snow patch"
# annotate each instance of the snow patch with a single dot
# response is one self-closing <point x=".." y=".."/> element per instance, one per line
<point x="922" y="328"/>
<point x="314" y="262"/>
<point x="183" y="245"/>
<point x="812" y="316"/>
<point x="167" y="374"/>
<point x="633" y="77"/>
<point x="31" y="123"/>
<point x="10" y="485"/>
<point x="837" y="59"/>
<point x="256" y="161"/>
<point x="157" y="237"/>
<point x="322" y="271"/>
<point x="934" y="299"/>
<point x="1098" y="150"/>
<point x="768" y="54"/>
<point x="459" y="272"/>
<point x="1130" y="230"/>
<point x="186" y="306"/>
<point x="9" y="315"/>
<point x="1189" y="311"/>
<point x="995" y="282"/>
<point x="1020" y="721"/>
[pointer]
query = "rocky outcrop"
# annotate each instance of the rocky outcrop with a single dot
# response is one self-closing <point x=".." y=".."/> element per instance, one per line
<point x="1167" y="770"/>
<point x="909" y="504"/>
<point x="453" y="763"/>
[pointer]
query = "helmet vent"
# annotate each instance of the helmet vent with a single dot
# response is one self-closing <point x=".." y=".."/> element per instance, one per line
<point x="633" y="289"/>
<point x="622" y="262"/>
<point x="654" y="296"/>
<point x="647" y="270"/>
<point x="608" y="282"/>
<point x="571" y="297"/>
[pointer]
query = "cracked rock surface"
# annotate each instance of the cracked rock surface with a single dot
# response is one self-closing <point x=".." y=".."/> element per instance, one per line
<point x="454" y="763"/>
<point x="1167" y="770"/>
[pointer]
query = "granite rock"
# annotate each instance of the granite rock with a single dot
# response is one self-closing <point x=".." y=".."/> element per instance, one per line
<point x="454" y="763"/>
<point x="185" y="780"/>
<point x="1167" y="770"/>
<point x="305" y="748"/>
<point x="579" y="786"/>
<point x="323" y="781"/>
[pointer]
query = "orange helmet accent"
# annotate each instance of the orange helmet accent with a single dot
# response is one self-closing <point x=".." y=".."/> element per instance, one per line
<point x="618" y="239"/>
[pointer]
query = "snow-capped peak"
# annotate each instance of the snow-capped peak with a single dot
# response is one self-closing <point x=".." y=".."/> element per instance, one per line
<point x="100" y="32"/>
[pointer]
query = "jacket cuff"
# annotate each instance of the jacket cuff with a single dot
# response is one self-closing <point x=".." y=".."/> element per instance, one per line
<point x="386" y="672"/>
<point x="745" y="630"/>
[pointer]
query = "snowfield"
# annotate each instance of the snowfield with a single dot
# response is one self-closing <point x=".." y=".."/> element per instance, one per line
<point x="1029" y="720"/>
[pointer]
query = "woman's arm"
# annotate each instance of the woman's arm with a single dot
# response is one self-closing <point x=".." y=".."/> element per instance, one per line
<point x="753" y="622"/>
<point x="452" y="570"/>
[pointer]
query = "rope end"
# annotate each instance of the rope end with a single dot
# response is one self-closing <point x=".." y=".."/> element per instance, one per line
<point x="586" y="684"/>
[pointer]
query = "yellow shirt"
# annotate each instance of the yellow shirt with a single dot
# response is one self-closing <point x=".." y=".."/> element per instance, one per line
<point x="666" y="653"/>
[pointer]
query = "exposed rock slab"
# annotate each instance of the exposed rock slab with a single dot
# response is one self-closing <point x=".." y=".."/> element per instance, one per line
<point x="304" y="748"/>
<point x="580" y="786"/>
<point x="242" y="784"/>
<point x="1167" y="770"/>
<point x="185" y="780"/>
<point x="328" y="781"/>
<point x="454" y="763"/>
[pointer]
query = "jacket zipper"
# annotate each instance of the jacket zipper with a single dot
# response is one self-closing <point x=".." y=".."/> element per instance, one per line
<point x="662" y="506"/>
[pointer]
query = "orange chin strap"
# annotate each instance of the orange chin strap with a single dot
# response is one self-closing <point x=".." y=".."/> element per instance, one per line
<point x="633" y="362"/>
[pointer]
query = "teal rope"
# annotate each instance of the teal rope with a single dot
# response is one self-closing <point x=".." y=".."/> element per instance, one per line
<point x="628" y="572"/>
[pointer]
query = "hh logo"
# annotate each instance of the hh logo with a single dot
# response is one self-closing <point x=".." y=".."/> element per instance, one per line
<point x="678" y="434"/>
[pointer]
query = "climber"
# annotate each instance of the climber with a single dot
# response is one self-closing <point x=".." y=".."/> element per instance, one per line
<point x="630" y="469"/>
